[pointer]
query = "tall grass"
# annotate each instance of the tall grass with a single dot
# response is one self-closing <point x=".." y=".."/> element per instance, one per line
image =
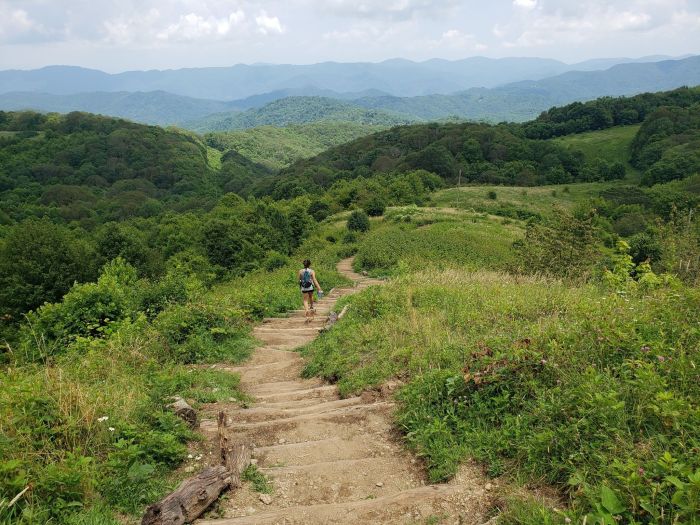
<point x="592" y="392"/>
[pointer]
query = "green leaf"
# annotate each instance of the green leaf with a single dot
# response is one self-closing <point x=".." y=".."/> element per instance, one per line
<point x="610" y="501"/>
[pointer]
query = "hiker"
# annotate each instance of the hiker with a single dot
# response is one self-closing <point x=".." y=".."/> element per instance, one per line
<point x="308" y="283"/>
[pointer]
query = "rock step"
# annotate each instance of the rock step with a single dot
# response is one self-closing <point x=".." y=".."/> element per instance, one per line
<point x="319" y="392"/>
<point x="265" y="413"/>
<point x="306" y="428"/>
<point x="342" y="480"/>
<point x="330" y="449"/>
<point x="406" y="507"/>
<point x="285" y="387"/>
<point x="332" y="414"/>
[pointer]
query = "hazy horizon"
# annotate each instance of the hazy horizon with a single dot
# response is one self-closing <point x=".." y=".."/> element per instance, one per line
<point x="158" y="34"/>
<point x="397" y="58"/>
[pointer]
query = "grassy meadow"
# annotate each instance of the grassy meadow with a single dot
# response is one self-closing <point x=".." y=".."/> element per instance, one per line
<point x="518" y="202"/>
<point x="611" y="144"/>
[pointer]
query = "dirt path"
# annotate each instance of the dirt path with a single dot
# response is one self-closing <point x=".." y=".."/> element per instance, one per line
<point x="331" y="460"/>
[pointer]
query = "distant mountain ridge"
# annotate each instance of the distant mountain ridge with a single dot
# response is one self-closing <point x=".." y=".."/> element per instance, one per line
<point x="517" y="101"/>
<point x="153" y="107"/>
<point x="520" y="101"/>
<point x="396" y="77"/>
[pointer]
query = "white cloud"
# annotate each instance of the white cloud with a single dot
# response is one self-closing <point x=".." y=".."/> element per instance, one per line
<point x="191" y="27"/>
<point x="17" y="24"/>
<point x="525" y="4"/>
<point x="572" y="21"/>
<point x="268" y="24"/>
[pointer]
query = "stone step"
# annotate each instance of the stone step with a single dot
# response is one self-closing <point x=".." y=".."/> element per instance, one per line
<point x="261" y="413"/>
<point x="330" y="449"/>
<point x="411" y="506"/>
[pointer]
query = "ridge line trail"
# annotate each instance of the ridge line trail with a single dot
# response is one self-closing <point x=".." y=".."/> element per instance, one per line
<point x="330" y="460"/>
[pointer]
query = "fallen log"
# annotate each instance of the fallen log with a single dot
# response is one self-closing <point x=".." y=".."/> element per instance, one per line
<point x="184" y="411"/>
<point x="194" y="495"/>
<point x="335" y="317"/>
<point x="191" y="498"/>
<point x="234" y="456"/>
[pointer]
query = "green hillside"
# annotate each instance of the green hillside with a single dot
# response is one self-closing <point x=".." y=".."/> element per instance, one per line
<point x="298" y="110"/>
<point x="613" y="144"/>
<point x="540" y="318"/>
<point x="278" y="147"/>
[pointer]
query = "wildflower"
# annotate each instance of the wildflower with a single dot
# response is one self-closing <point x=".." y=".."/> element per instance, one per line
<point x="111" y="429"/>
<point x="102" y="419"/>
<point x="645" y="349"/>
<point x="640" y="471"/>
<point x="661" y="358"/>
<point x="189" y="456"/>
<point x="543" y="361"/>
<point x="567" y="520"/>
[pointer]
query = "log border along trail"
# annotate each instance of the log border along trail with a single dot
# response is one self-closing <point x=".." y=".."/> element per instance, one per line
<point x="330" y="460"/>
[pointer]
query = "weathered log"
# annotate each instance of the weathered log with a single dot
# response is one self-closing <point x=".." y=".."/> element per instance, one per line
<point x="184" y="411"/>
<point x="335" y="317"/>
<point x="234" y="456"/>
<point x="194" y="495"/>
<point x="191" y="498"/>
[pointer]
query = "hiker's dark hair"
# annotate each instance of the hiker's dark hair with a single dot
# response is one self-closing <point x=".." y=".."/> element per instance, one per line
<point x="307" y="263"/>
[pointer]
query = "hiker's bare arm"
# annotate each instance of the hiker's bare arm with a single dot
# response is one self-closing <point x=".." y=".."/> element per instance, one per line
<point x="318" y="286"/>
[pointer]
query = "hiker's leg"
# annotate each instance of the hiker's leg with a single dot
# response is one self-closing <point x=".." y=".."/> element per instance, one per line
<point x="305" y="300"/>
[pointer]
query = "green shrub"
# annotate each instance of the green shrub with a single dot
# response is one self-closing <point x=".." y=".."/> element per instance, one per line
<point x="275" y="260"/>
<point x="358" y="221"/>
<point x="87" y="310"/>
<point x="492" y="195"/>
<point x="194" y="332"/>
<point x="375" y="207"/>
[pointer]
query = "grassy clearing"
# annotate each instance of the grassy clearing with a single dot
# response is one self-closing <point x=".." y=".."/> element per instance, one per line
<point x="518" y="202"/>
<point x="214" y="158"/>
<point x="409" y="237"/>
<point x="611" y="144"/>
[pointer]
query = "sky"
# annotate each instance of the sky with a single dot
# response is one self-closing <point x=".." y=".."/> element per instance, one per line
<point x="120" y="35"/>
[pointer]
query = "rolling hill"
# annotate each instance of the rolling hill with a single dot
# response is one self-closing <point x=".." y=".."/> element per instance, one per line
<point x="278" y="147"/>
<point x="298" y="110"/>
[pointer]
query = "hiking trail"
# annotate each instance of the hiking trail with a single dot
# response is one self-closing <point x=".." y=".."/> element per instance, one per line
<point x="330" y="460"/>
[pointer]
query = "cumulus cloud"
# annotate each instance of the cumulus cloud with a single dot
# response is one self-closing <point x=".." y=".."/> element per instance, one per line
<point x="193" y="26"/>
<point x="268" y="24"/>
<point x="525" y="4"/>
<point x="16" y="25"/>
<point x="543" y="22"/>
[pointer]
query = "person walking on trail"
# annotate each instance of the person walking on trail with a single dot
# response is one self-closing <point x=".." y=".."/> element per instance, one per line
<point x="308" y="283"/>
